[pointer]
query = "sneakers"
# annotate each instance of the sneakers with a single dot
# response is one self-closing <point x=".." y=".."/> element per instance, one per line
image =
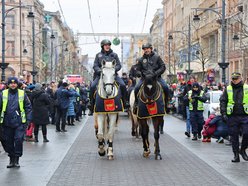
<point x="194" y="137"/>
<point x="187" y="134"/>
<point x="199" y="136"/>
<point x="220" y="140"/>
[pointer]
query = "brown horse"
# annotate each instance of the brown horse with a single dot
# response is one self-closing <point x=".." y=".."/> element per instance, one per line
<point x="148" y="94"/>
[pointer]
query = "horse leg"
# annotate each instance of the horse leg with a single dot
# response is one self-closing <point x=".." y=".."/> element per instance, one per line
<point x="162" y="127"/>
<point x="111" y="130"/>
<point x="100" y="134"/>
<point x="144" y="134"/>
<point x="96" y="125"/>
<point x="156" y="123"/>
<point x="133" y="125"/>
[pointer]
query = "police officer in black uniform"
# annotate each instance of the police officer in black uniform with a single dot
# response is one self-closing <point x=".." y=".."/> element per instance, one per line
<point x="108" y="55"/>
<point x="150" y="64"/>
<point x="16" y="113"/>
<point x="234" y="110"/>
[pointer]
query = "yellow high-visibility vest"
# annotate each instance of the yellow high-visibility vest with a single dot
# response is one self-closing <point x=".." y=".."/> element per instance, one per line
<point x="199" y="104"/>
<point x="20" y="101"/>
<point x="231" y="103"/>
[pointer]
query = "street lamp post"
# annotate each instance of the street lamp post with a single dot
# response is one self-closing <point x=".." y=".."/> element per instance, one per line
<point x="223" y="64"/>
<point x="188" y="37"/>
<point x="52" y="37"/>
<point x="33" y="73"/>
<point x="3" y="64"/>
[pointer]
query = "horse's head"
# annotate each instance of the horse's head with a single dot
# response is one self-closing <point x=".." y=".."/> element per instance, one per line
<point x="108" y="76"/>
<point x="150" y="82"/>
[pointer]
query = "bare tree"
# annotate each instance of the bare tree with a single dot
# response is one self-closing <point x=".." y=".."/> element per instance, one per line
<point x="202" y="58"/>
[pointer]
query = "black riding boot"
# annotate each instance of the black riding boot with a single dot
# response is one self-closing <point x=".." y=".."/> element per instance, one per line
<point x="236" y="157"/>
<point x="17" y="162"/>
<point x="11" y="162"/>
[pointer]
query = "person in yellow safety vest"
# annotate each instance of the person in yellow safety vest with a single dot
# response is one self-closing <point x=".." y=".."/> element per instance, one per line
<point x="234" y="110"/>
<point x="196" y="99"/>
<point x="16" y="113"/>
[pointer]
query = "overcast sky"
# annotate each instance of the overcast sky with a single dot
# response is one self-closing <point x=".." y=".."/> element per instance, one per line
<point x="104" y="16"/>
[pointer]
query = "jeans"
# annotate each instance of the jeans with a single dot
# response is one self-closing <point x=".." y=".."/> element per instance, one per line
<point x="61" y="114"/>
<point x="188" y="119"/>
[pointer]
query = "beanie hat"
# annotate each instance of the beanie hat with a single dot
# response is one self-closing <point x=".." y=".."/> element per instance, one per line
<point x="12" y="80"/>
<point x="64" y="84"/>
<point x="38" y="86"/>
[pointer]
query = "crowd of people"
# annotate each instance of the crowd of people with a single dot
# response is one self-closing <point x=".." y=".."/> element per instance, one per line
<point x="27" y="107"/>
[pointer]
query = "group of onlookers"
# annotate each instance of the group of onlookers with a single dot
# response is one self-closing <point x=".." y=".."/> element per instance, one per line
<point x="27" y="107"/>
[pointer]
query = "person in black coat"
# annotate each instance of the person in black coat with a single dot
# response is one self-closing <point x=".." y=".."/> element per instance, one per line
<point x="41" y="104"/>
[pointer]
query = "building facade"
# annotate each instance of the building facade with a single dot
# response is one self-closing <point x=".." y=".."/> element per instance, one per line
<point x="50" y="52"/>
<point x="205" y="35"/>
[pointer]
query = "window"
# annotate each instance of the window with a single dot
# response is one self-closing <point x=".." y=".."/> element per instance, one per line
<point x="10" y="22"/>
<point x="10" y="48"/>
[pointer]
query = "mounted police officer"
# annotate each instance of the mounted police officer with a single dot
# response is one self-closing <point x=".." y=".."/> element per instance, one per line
<point x="16" y="113"/>
<point x="106" y="54"/>
<point x="150" y="64"/>
<point x="234" y="110"/>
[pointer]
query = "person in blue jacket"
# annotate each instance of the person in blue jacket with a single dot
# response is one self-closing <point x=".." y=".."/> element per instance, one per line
<point x="16" y="113"/>
<point x="62" y="96"/>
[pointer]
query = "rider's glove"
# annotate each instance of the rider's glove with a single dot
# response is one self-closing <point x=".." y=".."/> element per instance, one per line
<point x="99" y="72"/>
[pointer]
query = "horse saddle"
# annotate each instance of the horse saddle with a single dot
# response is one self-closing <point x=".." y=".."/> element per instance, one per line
<point x="150" y="106"/>
<point x="111" y="104"/>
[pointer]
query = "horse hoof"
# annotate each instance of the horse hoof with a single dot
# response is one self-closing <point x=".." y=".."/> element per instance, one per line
<point x="158" y="157"/>
<point x="133" y="133"/>
<point x="101" y="153"/>
<point x="146" y="154"/>
<point x="110" y="157"/>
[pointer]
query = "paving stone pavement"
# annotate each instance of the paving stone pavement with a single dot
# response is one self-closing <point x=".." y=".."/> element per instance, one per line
<point x="83" y="166"/>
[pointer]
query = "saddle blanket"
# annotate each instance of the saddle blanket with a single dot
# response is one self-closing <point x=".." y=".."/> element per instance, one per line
<point x="105" y="105"/>
<point x="157" y="108"/>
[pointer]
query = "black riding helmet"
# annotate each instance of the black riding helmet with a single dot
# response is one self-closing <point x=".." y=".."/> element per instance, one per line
<point x="146" y="45"/>
<point x="105" y="42"/>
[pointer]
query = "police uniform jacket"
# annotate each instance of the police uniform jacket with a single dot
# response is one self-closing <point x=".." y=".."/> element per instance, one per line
<point x="107" y="56"/>
<point x="151" y="62"/>
<point x="12" y="116"/>
<point x="238" y="108"/>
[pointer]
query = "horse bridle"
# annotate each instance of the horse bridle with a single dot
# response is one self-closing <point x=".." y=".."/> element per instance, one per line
<point x="106" y="84"/>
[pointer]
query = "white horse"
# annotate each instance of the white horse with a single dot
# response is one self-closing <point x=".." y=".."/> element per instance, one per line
<point x="106" y="122"/>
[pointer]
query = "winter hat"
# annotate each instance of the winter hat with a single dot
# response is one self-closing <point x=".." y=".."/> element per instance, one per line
<point x="12" y="80"/>
<point x="38" y="86"/>
<point x="64" y="84"/>
<point x="31" y="87"/>
<point x="195" y="85"/>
